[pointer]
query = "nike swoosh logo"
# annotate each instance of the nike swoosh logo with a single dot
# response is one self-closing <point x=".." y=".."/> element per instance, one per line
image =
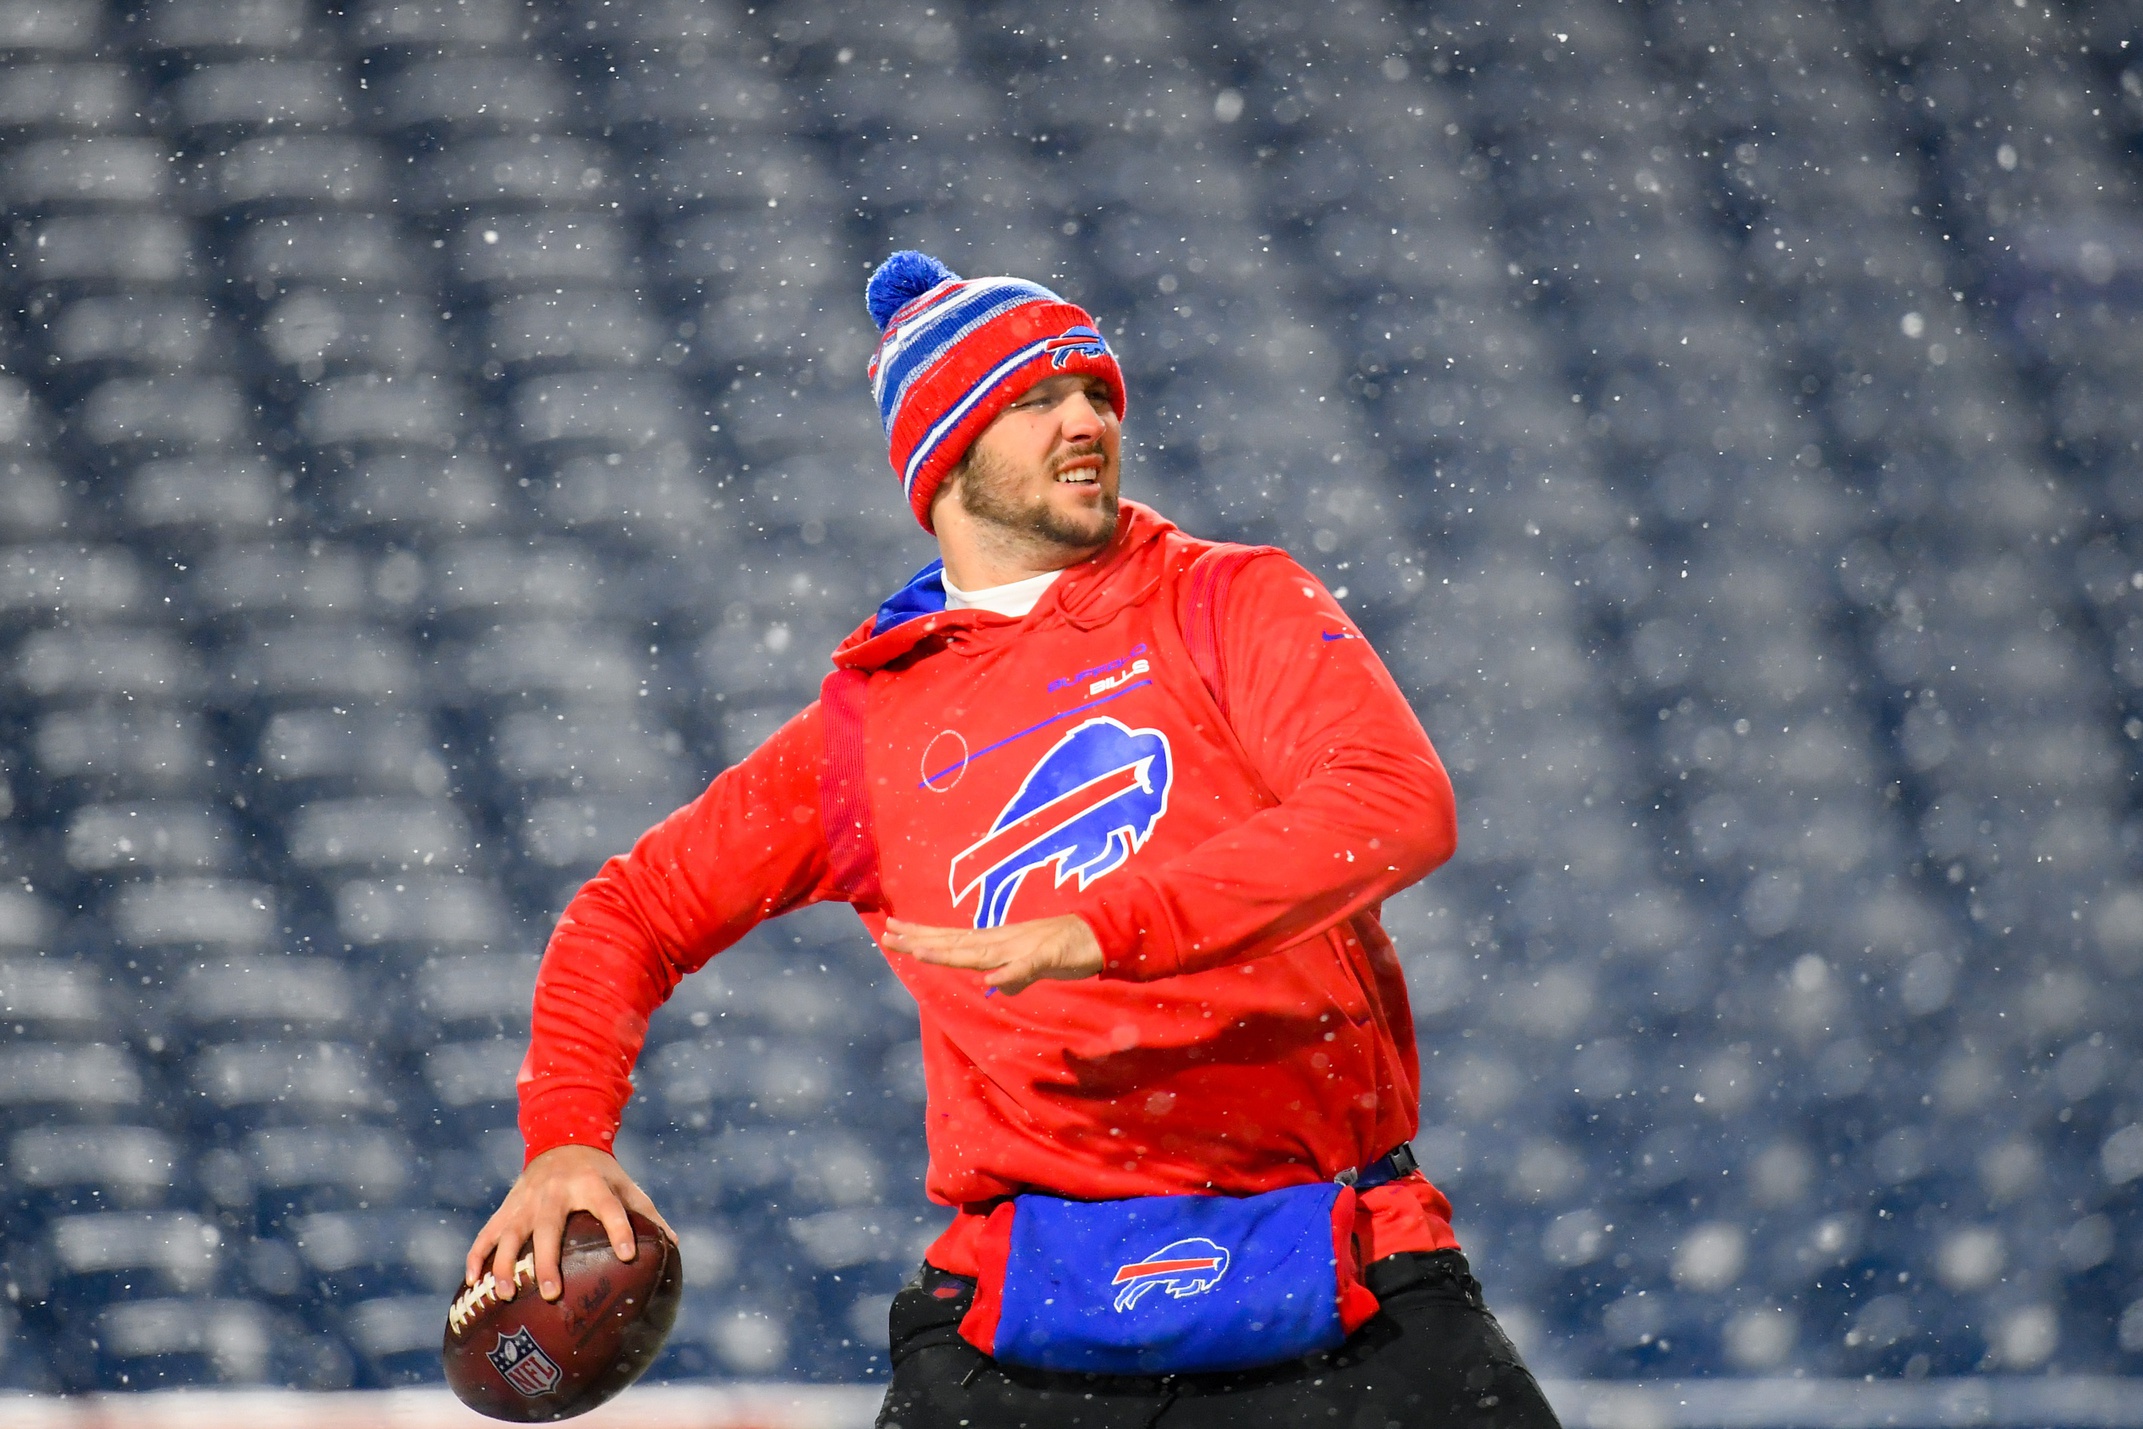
<point x="1339" y="635"/>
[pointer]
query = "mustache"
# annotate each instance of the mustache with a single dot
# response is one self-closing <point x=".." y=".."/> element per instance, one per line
<point x="1074" y="453"/>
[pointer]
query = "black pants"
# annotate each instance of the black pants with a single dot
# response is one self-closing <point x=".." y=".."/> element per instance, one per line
<point x="1432" y="1356"/>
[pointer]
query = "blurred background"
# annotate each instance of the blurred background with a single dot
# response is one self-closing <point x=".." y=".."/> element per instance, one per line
<point x="435" y="442"/>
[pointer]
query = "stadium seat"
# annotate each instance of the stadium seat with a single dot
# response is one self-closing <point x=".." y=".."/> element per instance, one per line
<point x="267" y="579"/>
<point x="130" y="1256"/>
<point x="298" y="172"/>
<point x="473" y="93"/>
<point x="490" y="578"/>
<point x="202" y="28"/>
<point x="292" y="994"/>
<point x="474" y="1081"/>
<point x="231" y="496"/>
<point x="585" y="748"/>
<point x="333" y="750"/>
<point x="73" y="1169"/>
<point x="310" y="1166"/>
<point x="29" y="27"/>
<point x="154" y="415"/>
<point x="771" y="412"/>
<point x="761" y="654"/>
<point x="93" y="1081"/>
<point x="335" y="251"/>
<point x="508" y="173"/>
<point x="69" y="98"/>
<point x="106" y="252"/>
<point x="421" y="912"/>
<point x="315" y="331"/>
<point x="33" y="501"/>
<point x="427" y="26"/>
<point x="654" y="497"/>
<point x="422" y="493"/>
<point x="90" y="172"/>
<point x="360" y="1255"/>
<point x="194" y="912"/>
<point x="387" y="831"/>
<point x="579" y="831"/>
<point x="57" y="998"/>
<point x="283" y="1082"/>
<point x="66" y="583"/>
<point x="177" y="1343"/>
<point x="610" y="411"/>
<point x="373" y="409"/>
<point x="937" y="102"/>
<point x="718" y="171"/>
<point x="161" y="836"/>
<point x="755" y="325"/>
<point x="121" y="750"/>
<point x="461" y="993"/>
<point x="574" y="329"/>
<point x="660" y="27"/>
<point x="719" y="95"/>
<point x="547" y="251"/>
<point x="142" y="332"/>
<point x="258" y="94"/>
<point x="541" y="661"/>
<point x="307" y="662"/>
<point x="785" y="255"/>
<point x="395" y="1335"/>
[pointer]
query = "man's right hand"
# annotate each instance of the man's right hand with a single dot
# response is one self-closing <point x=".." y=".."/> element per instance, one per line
<point x="561" y="1181"/>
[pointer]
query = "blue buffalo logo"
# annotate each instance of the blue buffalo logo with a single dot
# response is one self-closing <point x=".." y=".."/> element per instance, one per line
<point x="1084" y="341"/>
<point x="1187" y="1267"/>
<point x="1090" y="804"/>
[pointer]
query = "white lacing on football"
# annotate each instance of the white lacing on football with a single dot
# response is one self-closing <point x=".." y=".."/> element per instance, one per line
<point x="472" y="1301"/>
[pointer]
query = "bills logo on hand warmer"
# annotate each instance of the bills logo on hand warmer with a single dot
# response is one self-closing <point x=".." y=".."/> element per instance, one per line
<point x="1090" y="804"/>
<point x="1189" y="1267"/>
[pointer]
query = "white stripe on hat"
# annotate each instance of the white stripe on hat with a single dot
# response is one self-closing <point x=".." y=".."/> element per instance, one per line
<point x="966" y="404"/>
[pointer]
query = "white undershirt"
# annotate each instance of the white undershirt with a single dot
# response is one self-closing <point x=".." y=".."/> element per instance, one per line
<point x="1014" y="599"/>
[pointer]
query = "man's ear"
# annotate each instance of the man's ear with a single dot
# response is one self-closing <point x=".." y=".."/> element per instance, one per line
<point x="948" y="489"/>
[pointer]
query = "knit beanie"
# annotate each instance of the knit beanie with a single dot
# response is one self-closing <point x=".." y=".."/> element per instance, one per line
<point x="957" y="351"/>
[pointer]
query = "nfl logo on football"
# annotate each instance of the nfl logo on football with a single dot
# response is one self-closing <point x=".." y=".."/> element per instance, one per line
<point x="523" y="1363"/>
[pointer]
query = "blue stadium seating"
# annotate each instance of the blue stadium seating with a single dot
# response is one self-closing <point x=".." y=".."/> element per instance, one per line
<point x="433" y="442"/>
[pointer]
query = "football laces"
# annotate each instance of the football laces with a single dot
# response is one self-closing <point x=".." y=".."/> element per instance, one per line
<point x="474" y="1300"/>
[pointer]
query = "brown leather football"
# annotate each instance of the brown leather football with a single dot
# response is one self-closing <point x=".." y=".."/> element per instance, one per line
<point x="532" y="1360"/>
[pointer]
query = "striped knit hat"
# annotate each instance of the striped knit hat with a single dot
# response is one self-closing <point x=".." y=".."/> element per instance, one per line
<point x="957" y="351"/>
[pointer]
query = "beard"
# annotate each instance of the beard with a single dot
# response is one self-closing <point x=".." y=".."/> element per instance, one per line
<point x="989" y="493"/>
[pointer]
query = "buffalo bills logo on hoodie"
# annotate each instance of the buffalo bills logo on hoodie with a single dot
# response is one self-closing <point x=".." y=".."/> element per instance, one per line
<point x="1090" y="804"/>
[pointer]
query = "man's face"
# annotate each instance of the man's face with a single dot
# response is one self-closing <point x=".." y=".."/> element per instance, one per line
<point x="1047" y="468"/>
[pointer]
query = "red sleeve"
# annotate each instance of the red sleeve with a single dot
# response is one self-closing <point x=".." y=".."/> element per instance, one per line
<point x="748" y="848"/>
<point x="1365" y="806"/>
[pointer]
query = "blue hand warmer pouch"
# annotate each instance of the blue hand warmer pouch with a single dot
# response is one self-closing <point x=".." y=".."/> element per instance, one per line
<point x="1169" y="1284"/>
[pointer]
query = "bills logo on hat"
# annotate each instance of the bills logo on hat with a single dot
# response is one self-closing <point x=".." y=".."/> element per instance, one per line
<point x="1091" y="803"/>
<point x="1186" y="1267"/>
<point x="1075" y="342"/>
<point x="523" y="1363"/>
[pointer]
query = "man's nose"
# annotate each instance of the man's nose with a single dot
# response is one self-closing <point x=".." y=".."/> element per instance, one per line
<point x="1083" y="421"/>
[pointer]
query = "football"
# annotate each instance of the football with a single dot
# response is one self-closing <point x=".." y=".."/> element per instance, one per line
<point x="532" y="1360"/>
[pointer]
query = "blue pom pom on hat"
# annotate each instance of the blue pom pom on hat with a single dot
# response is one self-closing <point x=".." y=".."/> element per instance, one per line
<point x="900" y="280"/>
<point x="946" y="367"/>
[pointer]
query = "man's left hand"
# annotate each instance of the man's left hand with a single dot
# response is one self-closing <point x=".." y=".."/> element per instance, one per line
<point x="1012" y="957"/>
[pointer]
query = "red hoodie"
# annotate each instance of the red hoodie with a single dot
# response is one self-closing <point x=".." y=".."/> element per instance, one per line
<point x="1250" y="1029"/>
